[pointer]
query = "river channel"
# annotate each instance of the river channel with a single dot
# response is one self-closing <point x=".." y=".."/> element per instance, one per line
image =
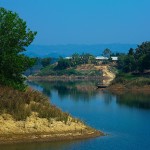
<point x="124" y="117"/>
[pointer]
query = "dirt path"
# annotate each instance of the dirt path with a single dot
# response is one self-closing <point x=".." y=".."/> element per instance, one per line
<point x="107" y="74"/>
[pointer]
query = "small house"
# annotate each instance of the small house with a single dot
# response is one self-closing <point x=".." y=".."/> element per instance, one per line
<point x="114" y="58"/>
<point x="68" y="57"/>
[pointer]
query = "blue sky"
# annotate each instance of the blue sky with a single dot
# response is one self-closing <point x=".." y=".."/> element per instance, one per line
<point x="84" y="21"/>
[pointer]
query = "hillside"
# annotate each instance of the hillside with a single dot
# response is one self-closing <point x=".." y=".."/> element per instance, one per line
<point x="82" y="71"/>
<point x="101" y="73"/>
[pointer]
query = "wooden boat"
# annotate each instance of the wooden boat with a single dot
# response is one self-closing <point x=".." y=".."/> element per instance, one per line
<point x="101" y="86"/>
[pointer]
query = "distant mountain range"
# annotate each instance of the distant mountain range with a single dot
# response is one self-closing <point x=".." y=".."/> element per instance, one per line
<point x="67" y="50"/>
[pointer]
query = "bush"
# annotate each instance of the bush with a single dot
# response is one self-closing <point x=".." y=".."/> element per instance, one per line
<point x="21" y="104"/>
<point x="130" y="80"/>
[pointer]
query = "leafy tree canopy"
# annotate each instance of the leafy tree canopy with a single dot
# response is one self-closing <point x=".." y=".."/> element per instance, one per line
<point x="107" y="52"/>
<point x="75" y="60"/>
<point x="137" y="60"/>
<point x="63" y="64"/>
<point x="46" y="61"/>
<point x="14" y="38"/>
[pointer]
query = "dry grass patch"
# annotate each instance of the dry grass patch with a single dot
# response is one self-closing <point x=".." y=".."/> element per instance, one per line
<point x="21" y="104"/>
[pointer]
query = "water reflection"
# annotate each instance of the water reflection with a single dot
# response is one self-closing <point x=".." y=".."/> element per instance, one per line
<point x="86" y="91"/>
<point x="138" y="100"/>
<point x="40" y="146"/>
<point x="76" y="90"/>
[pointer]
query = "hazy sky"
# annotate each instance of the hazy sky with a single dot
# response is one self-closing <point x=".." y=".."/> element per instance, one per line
<point x="84" y="21"/>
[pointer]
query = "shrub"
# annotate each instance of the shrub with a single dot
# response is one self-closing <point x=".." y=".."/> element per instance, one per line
<point x="21" y="104"/>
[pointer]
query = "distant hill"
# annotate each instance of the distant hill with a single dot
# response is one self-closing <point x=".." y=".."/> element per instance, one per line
<point x="67" y="50"/>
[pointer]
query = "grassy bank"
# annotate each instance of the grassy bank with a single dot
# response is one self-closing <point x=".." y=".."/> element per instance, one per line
<point x="21" y="104"/>
<point x="29" y="116"/>
<point x="131" y="82"/>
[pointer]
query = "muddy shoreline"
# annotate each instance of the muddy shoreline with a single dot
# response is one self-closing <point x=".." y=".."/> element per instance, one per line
<point x="62" y="78"/>
<point x="35" y="129"/>
<point x="48" y="137"/>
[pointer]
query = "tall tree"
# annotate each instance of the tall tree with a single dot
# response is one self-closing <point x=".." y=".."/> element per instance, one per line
<point x="76" y="59"/>
<point x="138" y="61"/>
<point x="14" y="38"/>
<point x="142" y="56"/>
<point x="46" y="61"/>
<point x="63" y="64"/>
<point x="131" y="51"/>
<point x="107" y="52"/>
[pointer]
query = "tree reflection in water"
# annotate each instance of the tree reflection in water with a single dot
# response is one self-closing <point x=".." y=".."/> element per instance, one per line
<point x="138" y="100"/>
<point x="75" y="89"/>
<point x="86" y="91"/>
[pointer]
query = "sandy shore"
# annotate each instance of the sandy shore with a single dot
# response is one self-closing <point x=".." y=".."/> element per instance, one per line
<point x="35" y="129"/>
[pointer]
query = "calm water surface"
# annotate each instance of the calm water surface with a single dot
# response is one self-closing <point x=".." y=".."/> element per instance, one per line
<point x="124" y="117"/>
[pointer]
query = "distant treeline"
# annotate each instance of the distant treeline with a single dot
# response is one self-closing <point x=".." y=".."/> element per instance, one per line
<point x="67" y="66"/>
<point x="136" y="60"/>
<point x="74" y="60"/>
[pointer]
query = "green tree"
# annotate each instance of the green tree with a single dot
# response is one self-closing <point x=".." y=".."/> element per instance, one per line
<point x="146" y="61"/>
<point x="46" y="61"/>
<point x="144" y="48"/>
<point x="63" y="64"/>
<point x="138" y="61"/>
<point x="76" y="60"/>
<point x="107" y="52"/>
<point x="142" y="56"/>
<point x="121" y="61"/>
<point x="92" y="60"/>
<point x="131" y="51"/>
<point x="14" y="38"/>
<point x="126" y="63"/>
<point x="87" y="58"/>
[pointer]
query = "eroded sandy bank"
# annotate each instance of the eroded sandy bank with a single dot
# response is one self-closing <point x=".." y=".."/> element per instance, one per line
<point x="35" y="129"/>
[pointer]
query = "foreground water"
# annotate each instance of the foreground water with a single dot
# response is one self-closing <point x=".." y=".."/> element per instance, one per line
<point x="124" y="117"/>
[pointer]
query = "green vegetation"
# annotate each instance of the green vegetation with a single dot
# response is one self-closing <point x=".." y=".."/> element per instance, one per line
<point x="134" y="67"/>
<point x="136" y="61"/>
<point x="130" y="80"/>
<point x="70" y="66"/>
<point x="75" y="60"/>
<point x="76" y="89"/>
<point x="14" y="99"/>
<point x="134" y="99"/>
<point x="51" y="70"/>
<point x="21" y="104"/>
<point x="46" y="61"/>
<point x="14" y="37"/>
<point x="107" y="52"/>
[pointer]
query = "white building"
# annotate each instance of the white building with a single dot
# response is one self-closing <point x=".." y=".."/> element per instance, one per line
<point x="101" y="58"/>
<point x="114" y="58"/>
<point x="68" y="57"/>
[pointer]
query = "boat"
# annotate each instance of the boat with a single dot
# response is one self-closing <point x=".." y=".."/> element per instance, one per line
<point x="101" y="86"/>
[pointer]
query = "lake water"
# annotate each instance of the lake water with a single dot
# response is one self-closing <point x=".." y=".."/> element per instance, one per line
<point x="124" y="117"/>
